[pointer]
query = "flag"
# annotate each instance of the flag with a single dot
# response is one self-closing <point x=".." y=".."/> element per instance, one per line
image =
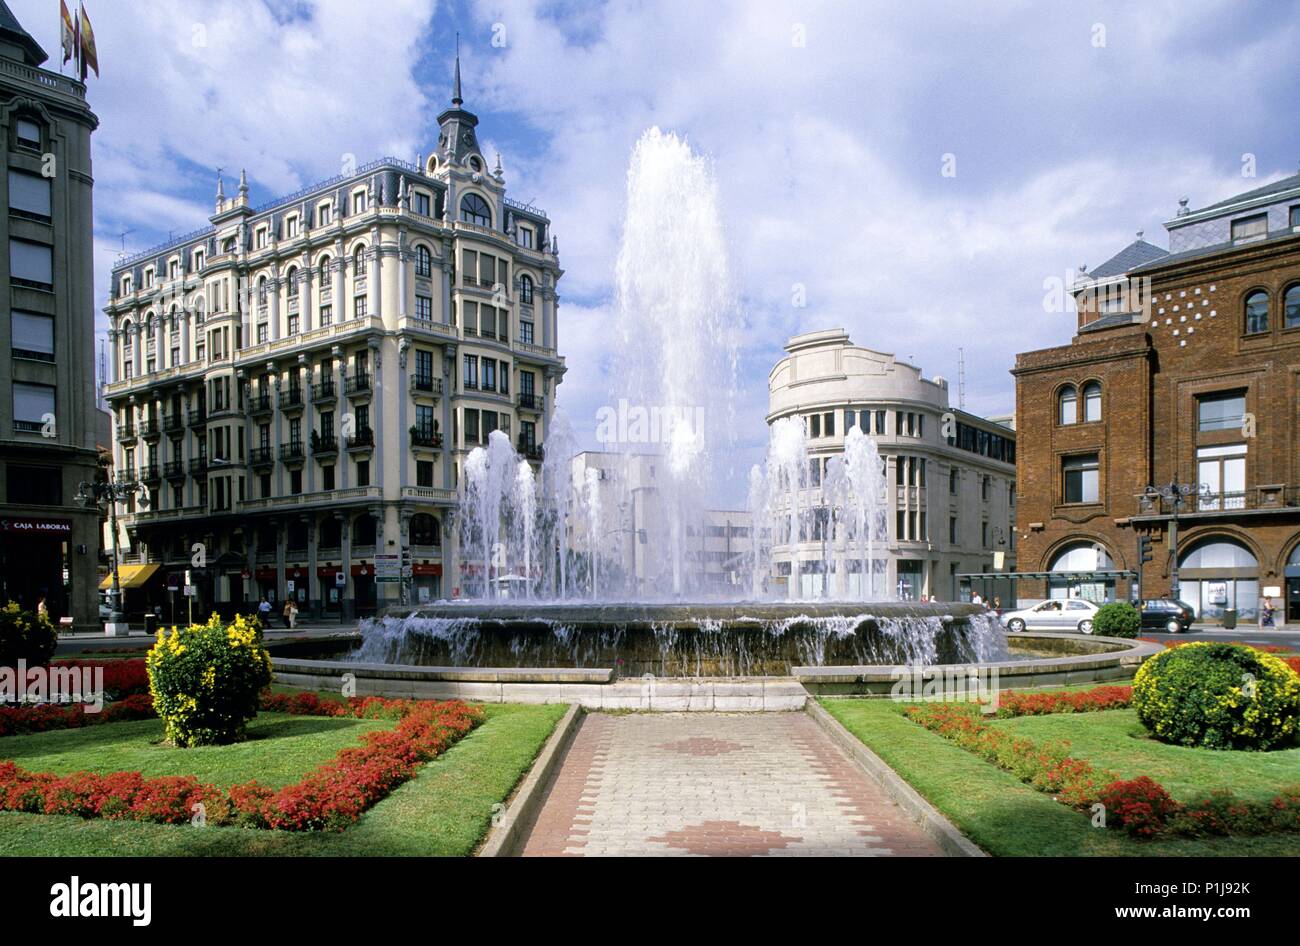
<point x="67" y="32"/>
<point x="89" y="59"/>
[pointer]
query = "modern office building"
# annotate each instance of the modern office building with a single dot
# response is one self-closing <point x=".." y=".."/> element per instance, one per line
<point x="950" y="475"/>
<point x="298" y="382"/>
<point x="48" y="540"/>
<point x="1183" y="370"/>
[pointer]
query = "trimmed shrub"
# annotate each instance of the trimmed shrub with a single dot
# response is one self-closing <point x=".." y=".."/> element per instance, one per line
<point x="1140" y="806"/>
<point x="1218" y="696"/>
<point x="25" y="635"/>
<point x="206" y="680"/>
<point x="1117" y="619"/>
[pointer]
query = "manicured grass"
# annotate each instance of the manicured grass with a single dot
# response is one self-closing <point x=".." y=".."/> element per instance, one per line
<point x="998" y="812"/>
<point x="280" y="749"/>
<point x="444" y="811"/>
<point x="1116" y="741"/>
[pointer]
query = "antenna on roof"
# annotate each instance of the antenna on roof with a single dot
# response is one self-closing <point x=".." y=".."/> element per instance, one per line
<point x="961" y="379"/>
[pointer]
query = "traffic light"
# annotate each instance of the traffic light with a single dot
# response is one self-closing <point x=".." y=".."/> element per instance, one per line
<point x="1144" y="549"/>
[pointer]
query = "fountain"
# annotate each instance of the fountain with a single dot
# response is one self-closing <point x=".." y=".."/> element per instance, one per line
<point x="538" y="600"/>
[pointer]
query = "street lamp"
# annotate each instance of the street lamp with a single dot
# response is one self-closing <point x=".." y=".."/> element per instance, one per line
<point x="111" y="493"/>
<point x="1177" y="495"/>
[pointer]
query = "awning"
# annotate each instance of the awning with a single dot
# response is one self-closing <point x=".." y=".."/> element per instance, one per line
<point x="130" y="576"/>
<point x="1098" y="575"/>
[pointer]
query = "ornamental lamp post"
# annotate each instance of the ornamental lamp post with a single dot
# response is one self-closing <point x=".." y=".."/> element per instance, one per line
<point x="110" y="493"/>
<point x="1177" y="495"/>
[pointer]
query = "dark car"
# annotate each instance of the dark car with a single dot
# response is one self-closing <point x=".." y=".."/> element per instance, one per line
<point x="1167" y="614"/>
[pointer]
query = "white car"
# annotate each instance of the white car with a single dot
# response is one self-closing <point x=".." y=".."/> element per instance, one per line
<point x="1057" y="614"/>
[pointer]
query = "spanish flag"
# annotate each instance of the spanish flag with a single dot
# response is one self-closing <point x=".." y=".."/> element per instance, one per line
<point x="89" y="58"/>
<point x="67" y="32"/>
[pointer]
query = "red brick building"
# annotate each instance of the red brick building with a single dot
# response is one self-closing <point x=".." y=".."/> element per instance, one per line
<point x="1185" y="368"/>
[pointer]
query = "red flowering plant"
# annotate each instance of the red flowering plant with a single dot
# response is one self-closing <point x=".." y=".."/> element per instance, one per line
<point x="1021" y="703"/>
<point x="1140" y="806"/>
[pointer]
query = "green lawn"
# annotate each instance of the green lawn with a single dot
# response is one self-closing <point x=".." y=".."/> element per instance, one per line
<point x="280" y="749"/>
<point x="444" y="811"/>
<point x="1116" y="741"/>
<point x="1003" y="815"/>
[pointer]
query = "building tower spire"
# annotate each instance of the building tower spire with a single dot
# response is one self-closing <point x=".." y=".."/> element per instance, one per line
<point x="456" y="99"/>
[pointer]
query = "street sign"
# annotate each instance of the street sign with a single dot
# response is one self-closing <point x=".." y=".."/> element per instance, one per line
<point x="340" y="579"/>
<point x="288" y="585"/>
<point x="189" y="591"/>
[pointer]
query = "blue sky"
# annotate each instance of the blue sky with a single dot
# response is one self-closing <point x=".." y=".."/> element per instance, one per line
<point x="1072" y="126"/>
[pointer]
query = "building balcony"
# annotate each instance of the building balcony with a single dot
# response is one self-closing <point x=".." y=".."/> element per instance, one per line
<point x="199" y="466"/>
<point x="173" y="422"/>
<point x="1255" y="501"/>
<point x="531" y="402"/>
<point x="261" y="457"/>
<point x="363" y="439"/>
<point x="150" y="428"/>
<point x="425" y="437"/>
<point x="259" y="404"/>
<point x="324" y="444"/>
<point x="357" y="385"/>
<point x="126" y="432"/>
<point x="149" y="473"/>
<point x="174" y="469"/>
<point x="293" y="451"/>
<point x="126" y="475"/>
<point x="422" y="384"/>
<point x="198" y="418"/>
<point x="530" y="451"/>
<point x="291" y="399"/>
<point x="326" y="390"/>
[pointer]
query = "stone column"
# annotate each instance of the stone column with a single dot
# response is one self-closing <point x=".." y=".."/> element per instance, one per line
<point x="377" y="419"/>
<point x="374" y="273"/>
<point x="401" y="274"/>
<point x="138" y="348"/>
<point x="346" y="604"/>
<point x="314" y="604"/>
<point x="306" y="297"/>
<point x="340" y="408"/>
<point x="448" y="261"/>
<point x="115" y="356"/>
<point x="275" y="284"/>
<point x="281" y="536"/>
<point x="186" y="351"/>
<point x="337" y="301"/>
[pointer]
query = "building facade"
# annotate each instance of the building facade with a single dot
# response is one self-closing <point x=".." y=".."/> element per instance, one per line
<point x="949" y="475"/>
<point x="48" y="539"/>
<point x="299" y="383"/>
<point x="1185" y="368"/>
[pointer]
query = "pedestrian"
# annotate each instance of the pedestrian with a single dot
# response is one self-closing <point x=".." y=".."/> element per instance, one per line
<point x="264" y="613"/>
<point x="293" y="613"/>
<point x="1266" y="613"/>
<point x="42" y="609"/>
<point x="976" y="599"/>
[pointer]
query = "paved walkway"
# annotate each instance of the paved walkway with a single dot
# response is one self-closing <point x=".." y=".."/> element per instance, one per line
<point x="716" y="784"/>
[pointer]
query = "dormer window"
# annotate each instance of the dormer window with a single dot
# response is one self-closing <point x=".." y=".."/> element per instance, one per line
<point x="475" y="164"/>
<point x="1250" y="228"/>
<point x="1295" y="216"/>
<point x="526" y="237"/>
<point x="324" y="214"/>
<point x="423" y="205"/>
<point x="259" y="241"/>
<point x="291" y="227"/>
<point x="126" y="285"/>
<point x="173" y="269"/>
<point x="359" y="201"/>
<point x="474" y="209"/>
<point x="199" y="257"/>
<point x="148" y="278"/>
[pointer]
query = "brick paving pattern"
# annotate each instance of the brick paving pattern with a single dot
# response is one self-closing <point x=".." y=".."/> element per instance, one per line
<point x="740" y="784"/>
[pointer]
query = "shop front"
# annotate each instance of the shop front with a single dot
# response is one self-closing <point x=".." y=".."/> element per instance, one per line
<point x="426" y="582"/>
<point x="35" y="563"/>
<point x="1220" y="575"/>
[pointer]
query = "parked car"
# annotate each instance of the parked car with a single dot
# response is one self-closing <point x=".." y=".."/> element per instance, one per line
<point x="1057" y="614"/>
<point x="1167" y="614"/>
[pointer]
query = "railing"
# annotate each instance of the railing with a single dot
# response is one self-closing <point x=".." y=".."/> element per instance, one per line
<point x="363" y="439"/>
<point x="1257" y="498"/>
<point x="149" y="473"/>
<point x="324" y="390"/>
<point x="531" y="451"/>
<point x="172" y="421"/>
<point x="40" y="77"/>
<point x="291" y="397"/>
<point x="127" y="475"/>
<point x="199" y="465"/>
<point x="261" y="456"/>
<point x="198" y="418"/>
<point x="432" y="493"/>
<point x="149" y="427"/>
<point x="324" y="443"/>
<point x="124" y="431"/>
<point x="425" y="437"/>
<point x="173" y="469"/>
<point x="427" y="385"/>
<point x="291" y="451"/>
<point x="259" y="403"/>
<point x="358" y="384"/>
<point x="531" y="402"/>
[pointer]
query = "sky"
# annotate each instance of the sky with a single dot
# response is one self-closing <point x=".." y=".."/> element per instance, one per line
<point x="922" y="174"/>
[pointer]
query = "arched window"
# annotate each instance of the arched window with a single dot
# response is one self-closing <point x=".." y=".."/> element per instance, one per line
<point x="424" y="530"/>
<point x="128" y="335"/>
<point x="331" y="533"/>
<point x="199" y="306"/>
<point x="474" y="209"/>
<point x="1291" y="306"/>
<point x="292" y="277"/>
<point x="1091" y="402"/>
<point x="526" y="290"/>
<point x="324" y="269"/>
<point x="423" y="261"/>
<point x="1257" y="312"/>
<point x="1067" y="405"/>
<point x="261" y="291"/>
<point x="359" y="261"/>
<point x="1077" y="566"/>
<point x="1219" y="574"/>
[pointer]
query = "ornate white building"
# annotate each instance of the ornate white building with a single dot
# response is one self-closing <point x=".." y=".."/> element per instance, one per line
<point x="298" y="383"/>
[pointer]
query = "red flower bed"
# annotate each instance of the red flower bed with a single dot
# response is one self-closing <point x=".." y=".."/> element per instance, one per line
<point x="43" y="717"/>
<point x="1016" y="703"/>
<point x="121" y="677"/>
<point x="331" y="797"/>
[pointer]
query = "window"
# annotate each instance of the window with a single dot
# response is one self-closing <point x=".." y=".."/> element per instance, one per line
<point x="27" y="133"/>
<point x="293" y="283"/>
<point x="359" y="261"/>
<point x="1257" y="312"/>
<point x="470" y="379"/>
<point x="1223" y="470"/>
<point x="504" y="375"/>
<point x="1068" y="405"/>
<point x="953" y="479"/>
<point x="471" y="427"/>
<point x="31" y="264"/>
<point x="526" y="332"/>
<point x="422" y="205"/>
<point x="260" y="238"/>
<point x="327" y="478"/>
<point x="423" y="477"/>
<point x="37" y="485"/>
<point x="423" y="261"/>
<point x="828" y="424"/>
<point x="984" y="535"/>
<point x="424" y="308"/>
<point x="291" y="228"/>
<point x="1221" y="411"/>
<point x="363" y="472"/>
<point x="360" y="307"/>
<point x="1250" y="228"/>
<point x="32" y="404"/>
<point x="952" y="530"/>
<point x="326" y="315"/>
<point x="1082" y="478"/>
<point x="32" y="335"/>
<point x="489" y="374"/>
<point x="1091" y="402"/>
<point x="29" y="195"/>
<point x="815" y="425"/>
<point x="526" y="290"/>
<point x="986" y="487"/>
<point x="324" y="214"/>
<point x="359" y="202"/>
<point x="263" y="332"/>
<point x="293" y="325"/>
<point x="1295" y="216"/>
<point x="474" y="209"/>
<point x="1291" y="307"/>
